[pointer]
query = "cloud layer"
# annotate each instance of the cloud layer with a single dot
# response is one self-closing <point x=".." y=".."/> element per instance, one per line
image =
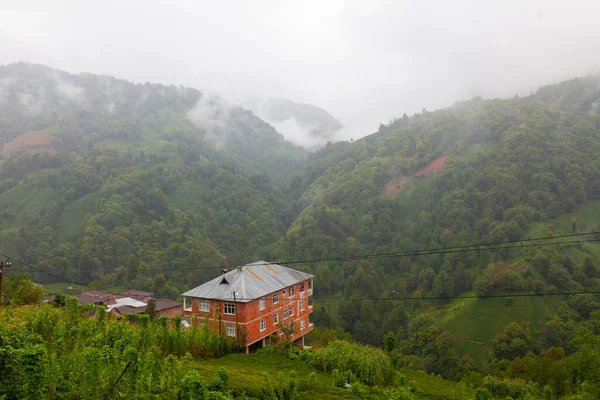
<point x="364" y="62"/>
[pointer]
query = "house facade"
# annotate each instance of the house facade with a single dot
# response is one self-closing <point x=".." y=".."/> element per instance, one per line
<point x="269" y="299"/>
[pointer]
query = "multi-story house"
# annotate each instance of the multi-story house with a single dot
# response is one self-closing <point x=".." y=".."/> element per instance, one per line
<point x="254" y="302"/>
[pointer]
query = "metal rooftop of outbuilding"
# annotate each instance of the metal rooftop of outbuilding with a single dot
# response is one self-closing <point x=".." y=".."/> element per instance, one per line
<point x="249" y="282"/>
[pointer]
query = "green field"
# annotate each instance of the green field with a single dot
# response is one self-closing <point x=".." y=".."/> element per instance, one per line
<point x="246" y="374"/>
<point x="430" y="387"/>
<point x="63" y="288"/>
<point x="588" y="220"/>
<point x="24" y="201"/>
<point x="70" y="222"/>
<point x="475" y="322"/>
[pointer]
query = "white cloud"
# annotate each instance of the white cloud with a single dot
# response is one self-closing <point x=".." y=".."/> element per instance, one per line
<point x="365" y="62"/>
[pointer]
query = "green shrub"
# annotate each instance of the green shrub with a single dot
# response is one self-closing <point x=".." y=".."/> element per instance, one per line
<point x="267" y="390"/>
<point x="504" y="387"/>
<point x="483" y="394"/>
<point x="220" y="382"/>
<point x="192" y="387"/>
<point x="370" y="365"/>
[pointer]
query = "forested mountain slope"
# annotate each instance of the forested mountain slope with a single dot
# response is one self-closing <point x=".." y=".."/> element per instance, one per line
<point x="74" y="112"/>
<point x="100" y="178"/>
<point x="481" y="171"/>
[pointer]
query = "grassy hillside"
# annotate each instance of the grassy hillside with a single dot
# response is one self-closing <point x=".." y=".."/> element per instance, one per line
<point x="246" y="373"/>
<point x="475" y="322"/>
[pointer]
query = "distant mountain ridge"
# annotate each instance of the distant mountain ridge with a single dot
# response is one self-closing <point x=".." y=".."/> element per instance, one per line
<point x="303" y="124"/>
<point x="36" y="98"/>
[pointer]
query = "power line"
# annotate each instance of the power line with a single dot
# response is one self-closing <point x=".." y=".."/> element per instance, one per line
<point x="34" y="268"/>
<point x="373" y="256"/>
<point x="514" y="244"/>
<point x="391" y="297"/>
<point x="416" y="298"/>
<point x="468" y="247"/>
<point x="491" y="296"/>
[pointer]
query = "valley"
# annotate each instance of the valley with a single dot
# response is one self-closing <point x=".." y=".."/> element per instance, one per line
<point x="105" y="183"/>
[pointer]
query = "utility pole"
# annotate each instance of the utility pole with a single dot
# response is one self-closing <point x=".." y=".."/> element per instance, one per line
<point x="2" y="265"/>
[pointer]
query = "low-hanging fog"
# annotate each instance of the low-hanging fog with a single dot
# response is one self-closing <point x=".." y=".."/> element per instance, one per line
<point x="363" y="62"/>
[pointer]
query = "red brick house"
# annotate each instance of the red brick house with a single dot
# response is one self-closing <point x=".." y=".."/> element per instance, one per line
<point x="266" y="296"/>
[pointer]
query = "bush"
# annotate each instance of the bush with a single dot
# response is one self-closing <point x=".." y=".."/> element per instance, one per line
<point x="359" y="390"/>
<point x="287" y="387"/>
<point x="504" y="387"/>
<point x="267" y="392"/>
<point x="483" y="394"/>
<point x="220" y="382"/>
<point x="192" y="387"/>
<point x="370" y="365"/>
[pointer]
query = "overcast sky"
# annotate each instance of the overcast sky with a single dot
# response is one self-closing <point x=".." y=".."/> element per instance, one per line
<point x="364" y="61"/>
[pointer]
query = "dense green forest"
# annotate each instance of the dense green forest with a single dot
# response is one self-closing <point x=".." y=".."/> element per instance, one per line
<point x="104" y="182"/>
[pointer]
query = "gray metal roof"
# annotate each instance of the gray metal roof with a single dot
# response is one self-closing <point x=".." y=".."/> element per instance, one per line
<point x="249" y="282"/>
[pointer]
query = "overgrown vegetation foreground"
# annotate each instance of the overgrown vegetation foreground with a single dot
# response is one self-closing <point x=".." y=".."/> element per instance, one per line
<point x="64" y="351"/>
<point x="69" y="352"/>
<point x="77" y="353"/>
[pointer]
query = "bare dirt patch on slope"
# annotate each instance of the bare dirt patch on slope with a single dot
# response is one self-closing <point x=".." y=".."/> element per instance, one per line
<point x="30" y="143"/>
<point x="434" y="167"/>
<point x="393" y="186"/>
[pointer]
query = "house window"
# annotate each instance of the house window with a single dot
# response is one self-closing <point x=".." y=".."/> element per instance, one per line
<point x="275" y="319"/>
<point x="204" y="306"/>
<point x="202" y="323"/>
<point x="262" y="304"/>
<point x="263" y="324"/>
<point x="291" y="311"/>
<point x="230" y="330"/>
<point x="302" y="325"/>
<point x="291" y="290"/>
<point x="229" y="308"/>
<point x="276" y="298"/>
<point x="285" y="314"/>
<point x="302" y="306"/>
<point x="302" y="287"/>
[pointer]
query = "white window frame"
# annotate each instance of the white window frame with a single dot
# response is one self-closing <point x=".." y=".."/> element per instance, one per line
<point x="275" y="319"/>
<point x="204" y="305"/>
<point x="230" y="330"/>
<point x="285" y="314"/>
<point x="302" y="305"/>
<point x="291" y="291"/>
<point x="302" y="325"/>
<point x="203" y="323"/>
<point x="302" y="287"/>
<point x="291" y="311"/>
<point x="262" y="304"/>
<point x="275" y="298"/>
<point x="263" y="324"/>
<point x="228" y="307"/>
